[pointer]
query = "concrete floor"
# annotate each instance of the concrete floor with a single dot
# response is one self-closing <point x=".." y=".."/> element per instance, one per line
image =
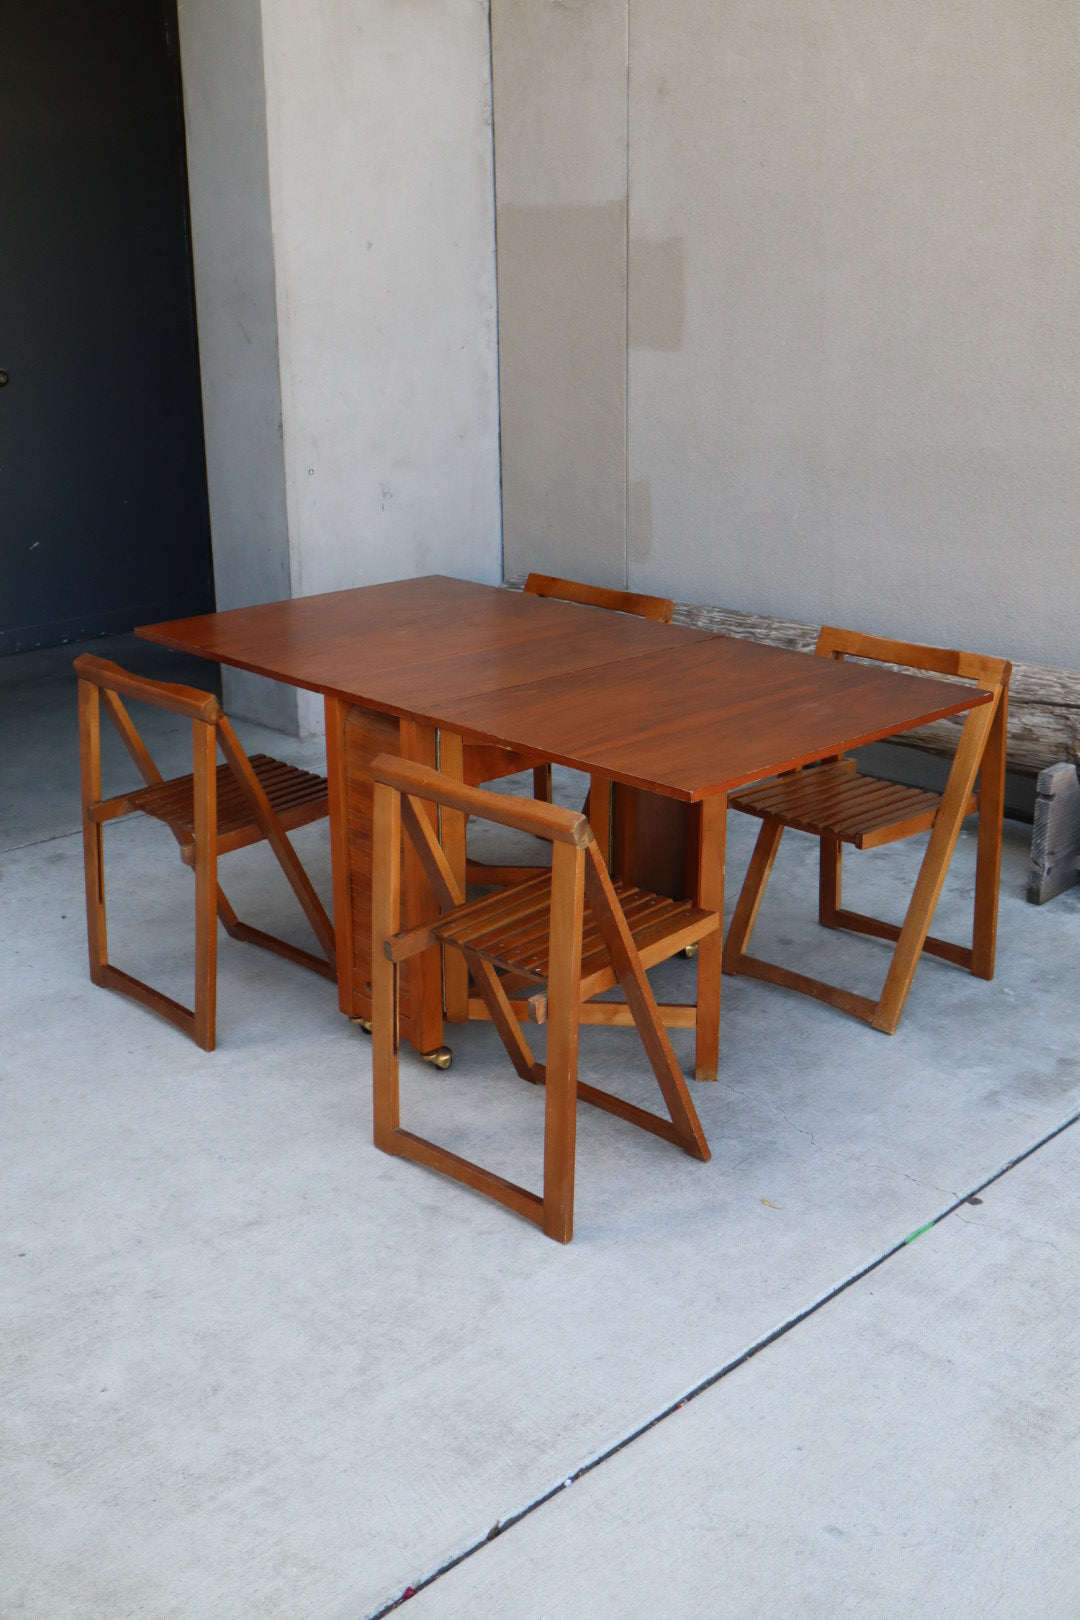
<point x="255" y="1368"/>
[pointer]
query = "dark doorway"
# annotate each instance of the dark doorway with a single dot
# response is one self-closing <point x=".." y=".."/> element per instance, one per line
<point x="103" y="510"/>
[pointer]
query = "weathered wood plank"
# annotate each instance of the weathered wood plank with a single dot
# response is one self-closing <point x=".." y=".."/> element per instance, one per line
<point x="1055" y="839"/>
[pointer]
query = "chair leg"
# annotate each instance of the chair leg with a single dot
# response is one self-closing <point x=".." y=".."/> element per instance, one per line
<point x="608" y="915"/>
<point x="752" y="892"/>
<point x="270" y="942"/>
<point x="709" y="895"/>
<point x="96" y="934"/>
<point x="988" y="859"/>
<point x="206" y="890"/>
<point x="935" y="864"/>
<point x="564" y="996"/>
<point x="385" y="923"/>
<point x="278" y="840"/>
<point x="830" y="878"/>
<point x="453" y="827"/>
<point x="542" y="782"/>
<point x="502" y="1015"/>
<point x="93" y="862"/>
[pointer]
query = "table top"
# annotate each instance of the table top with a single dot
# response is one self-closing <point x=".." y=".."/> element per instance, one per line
<point x="401" y="646"/>
<point x="711" y="716"/>
<point x="682" y="712"/>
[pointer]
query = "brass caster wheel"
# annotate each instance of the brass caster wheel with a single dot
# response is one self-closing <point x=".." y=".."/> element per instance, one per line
<point x="690" y="951"/>
<point x="362" y="1023"/>
<point x="440" y="1058"/>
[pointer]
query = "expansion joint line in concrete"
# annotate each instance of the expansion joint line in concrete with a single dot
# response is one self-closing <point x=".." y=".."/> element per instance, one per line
<point x="35" y="843"/>
<point x="713" y="1378"/>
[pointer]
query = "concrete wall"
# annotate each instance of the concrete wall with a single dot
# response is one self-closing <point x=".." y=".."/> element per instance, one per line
<point x="371" y="226"/>
<point x="560" y="85"/>
<point x="850" y="288"/>
<point x="225" y="116"/>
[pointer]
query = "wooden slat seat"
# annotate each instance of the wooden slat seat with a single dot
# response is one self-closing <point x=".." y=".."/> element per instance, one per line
<point x="211" y="811"/>
<point x="511" y="929"/>
<point x="835" y="799"/>
<point x="568" y="929"/>
<point x="296" y="797"/>
<point x="838" y="805"/>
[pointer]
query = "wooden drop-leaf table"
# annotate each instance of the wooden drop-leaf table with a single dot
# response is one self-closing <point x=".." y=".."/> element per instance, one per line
<point x="671" y="719"/>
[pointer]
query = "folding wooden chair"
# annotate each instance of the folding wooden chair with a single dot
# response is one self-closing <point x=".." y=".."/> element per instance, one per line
<point x="840" y="805"/>
<point x="568" y="934"/>
<point x="216" y="809"/>
<point x="488" y="762"/>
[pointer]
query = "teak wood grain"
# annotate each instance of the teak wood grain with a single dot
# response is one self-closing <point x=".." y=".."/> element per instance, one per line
<point x="641" y="705"/>
<point x="480" y="762"/>
<point x="570" y="928"/>
<point x="676" y="711"/>
<point x="211" y="812"/>
<point x="402" y="647"/>
<point x="659" y="608"/>
<point x="838" y="805"/>
<point x="379" y="655"/>
<point x="704" y="718"/>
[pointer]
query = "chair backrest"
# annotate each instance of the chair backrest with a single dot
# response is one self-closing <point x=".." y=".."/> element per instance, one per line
<point x="100" y="678"/>
<point x="550" y="822"/>
<point x="659" y="608"/>
<point x="990" y="673"/>
<point x="185" y="700"/>
<point x="402" y="791"/>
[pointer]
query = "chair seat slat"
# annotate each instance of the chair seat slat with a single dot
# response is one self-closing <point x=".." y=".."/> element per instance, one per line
<point x="519" y="941"/>
<point x="514" y="936"/>
<point x="289" y="789"/>
<point x="516" y="918"/>
<point x="874" y="804"/>
<point x="510" y="909"/>
<point x="839" y="802"/>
